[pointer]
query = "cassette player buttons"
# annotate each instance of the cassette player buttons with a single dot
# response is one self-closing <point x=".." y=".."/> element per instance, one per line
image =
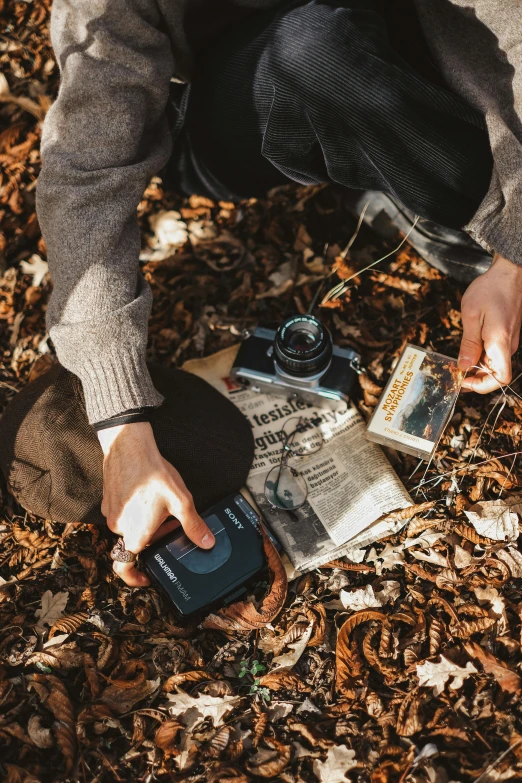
<point x="202" y="561"/>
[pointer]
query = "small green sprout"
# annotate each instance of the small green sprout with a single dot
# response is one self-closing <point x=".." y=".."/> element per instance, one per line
<point x="252" y="669"/>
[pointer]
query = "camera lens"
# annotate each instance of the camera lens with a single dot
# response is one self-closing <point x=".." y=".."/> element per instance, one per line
<point x="302" y="346"/>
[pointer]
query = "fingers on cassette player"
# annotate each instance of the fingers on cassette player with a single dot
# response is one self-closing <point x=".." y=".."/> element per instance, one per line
<point x="195" y="578"/>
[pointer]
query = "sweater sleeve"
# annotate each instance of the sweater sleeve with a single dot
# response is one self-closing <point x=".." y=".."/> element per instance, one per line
<point x="478" y="46"/>
<point x="103" y="139"/>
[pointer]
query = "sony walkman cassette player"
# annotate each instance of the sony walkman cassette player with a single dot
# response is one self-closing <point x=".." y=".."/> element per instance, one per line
<point x="196" y="578"/>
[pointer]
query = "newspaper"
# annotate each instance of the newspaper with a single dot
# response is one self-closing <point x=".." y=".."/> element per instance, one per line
<point x="350" y="482"/>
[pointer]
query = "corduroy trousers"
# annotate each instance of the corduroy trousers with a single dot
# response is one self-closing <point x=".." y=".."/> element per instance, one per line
<point x="316" y="92"/>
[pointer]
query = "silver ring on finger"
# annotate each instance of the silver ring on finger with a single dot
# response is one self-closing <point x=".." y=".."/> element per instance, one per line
<point x="121" y="555"/>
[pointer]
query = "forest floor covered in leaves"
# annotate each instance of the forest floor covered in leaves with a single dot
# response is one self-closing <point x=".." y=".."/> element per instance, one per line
<point x="405" y="669"/>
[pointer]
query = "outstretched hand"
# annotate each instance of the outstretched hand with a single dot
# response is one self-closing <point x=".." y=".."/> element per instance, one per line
<point x="141" y="491"/>
<point x="491" y="320"/>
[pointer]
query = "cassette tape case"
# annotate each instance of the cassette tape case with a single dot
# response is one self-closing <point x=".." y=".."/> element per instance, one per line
<point x="417" y="402"/>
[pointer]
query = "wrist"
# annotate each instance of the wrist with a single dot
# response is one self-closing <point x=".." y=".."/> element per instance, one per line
<point x="505" y="265"/>
<point x="108" y="437"/>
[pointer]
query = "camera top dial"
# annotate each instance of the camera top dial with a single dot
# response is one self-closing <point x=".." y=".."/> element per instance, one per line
<point x="303" y="346"/>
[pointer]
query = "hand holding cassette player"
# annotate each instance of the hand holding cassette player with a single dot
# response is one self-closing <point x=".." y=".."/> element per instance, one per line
<point x="195" y="578"/>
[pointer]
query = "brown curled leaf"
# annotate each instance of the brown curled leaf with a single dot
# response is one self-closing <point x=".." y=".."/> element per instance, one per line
<point x="409" y="719"/>
<point x="470" y="534"/>
<point x="317" y="614"/>
<point x="407" y="513"/>
<point x="69" y="624"/>
<point x="218" y="688"/>
<point x="260" y="724"/>
<point x="166" y="737"/>
<point x="493" y="572"/>
<point x="107" y="650"/>
<point x="411" y="655"/>
<point x="64" y="726"/>
<point x="500" y="477"/>
<point x="419" y="525"/>
<point x="236" y="748"/>
<point x="294" y="633"/>
<point x="436" y="635"/>
<point x="16" y="774"/>
<point x="41" y="736"/>
<point x="403" y="617"/>
<point x="130" y="674"/>
<point x="184" y="678"/>
<point x="32" y="539"/>
<point x="507" y="679"/>
<point x="123" y="699"/>
<point x="369" y="386"/>
<point x="373" y="657"/>
<point x="281" y="680"/>
<point x="451" y="733"/>
<point x="473" y="610"/>
<point x="225" y="773"/>
<point x="466" y="628"/>
<point x="437" y="600"/>
<point x="347" y="566"/>
<point x="344" y="654"/>
<point x="269" y="765"/>
<point x="422" y="573"/>
<point x="243" y="616"/>
<point x="448" y="579"/>
<point x="385" y="643"/>
<point x="364" y="616"/>
<point x="219" y="742"/>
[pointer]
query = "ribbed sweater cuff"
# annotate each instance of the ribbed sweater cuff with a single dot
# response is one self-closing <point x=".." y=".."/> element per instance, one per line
<point x="496" y="225"/>
<point x="120" y="383"/>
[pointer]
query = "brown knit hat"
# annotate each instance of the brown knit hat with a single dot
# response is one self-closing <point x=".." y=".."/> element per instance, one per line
<point x="52" y="460"/>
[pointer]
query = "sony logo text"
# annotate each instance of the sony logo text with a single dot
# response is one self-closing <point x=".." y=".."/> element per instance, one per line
<point x="234" y="519"/>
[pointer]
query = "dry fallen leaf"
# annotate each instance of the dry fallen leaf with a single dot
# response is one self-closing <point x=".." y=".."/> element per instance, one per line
<point x="497" y="610"/>
<point x="366" y="598"/>
<point x="339" y="760"/>
<point x="283" y="680"/>
<point x="347" y="658"/>
<point x="279" y="709"/>
<point x="436" y="675"/>
<point x="36" y="267"/>
<point x="496" y="519"/>
<point x="269" y="763"/>
<point x="386" y="560"/>
<point x="287" y="660"/>
<point x="123" y="699"/>
<point x="41" y="736"/>
<point x="508" y="680"/>
<point x="56" y="699"/>
<point x="362" y="598"/>
<point x="167" y="735"/>
<point x="204" y="706"/>
<point x="169" y="230"/>
<point x="4" y="85"/>
<point x="513" y="559"/>
<point x="52" y="608"/>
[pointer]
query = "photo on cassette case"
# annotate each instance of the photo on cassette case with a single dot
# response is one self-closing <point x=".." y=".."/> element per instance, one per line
<point x="425" y="404"/>
<point x="417" y="402"/>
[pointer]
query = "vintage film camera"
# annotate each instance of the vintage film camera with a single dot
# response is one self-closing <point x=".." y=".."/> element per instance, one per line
<point x="298" y="361"/>
<point x="194" y="578"/>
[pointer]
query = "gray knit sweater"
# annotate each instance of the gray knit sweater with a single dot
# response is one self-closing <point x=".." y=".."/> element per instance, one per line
<point x="107" y="134"/>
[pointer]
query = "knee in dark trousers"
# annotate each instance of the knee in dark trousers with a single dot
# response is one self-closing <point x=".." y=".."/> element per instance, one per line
<point x="315" y="92"/>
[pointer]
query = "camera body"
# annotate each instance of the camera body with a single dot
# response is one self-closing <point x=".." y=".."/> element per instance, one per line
<point x="297" y="361"/>
<point x="194" y="578"/>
